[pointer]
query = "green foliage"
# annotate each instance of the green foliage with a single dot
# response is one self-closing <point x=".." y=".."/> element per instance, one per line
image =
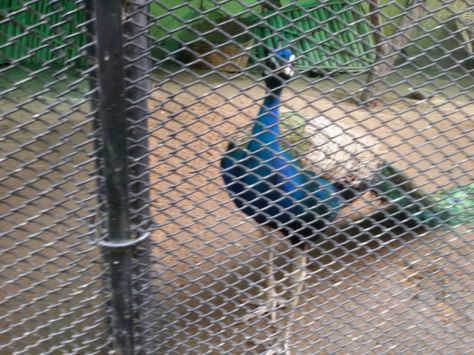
<point x="330" y="36"/>
<point x="175" y="17"/>
<point x="219" y="28"/>
<point x="42" y="32"/>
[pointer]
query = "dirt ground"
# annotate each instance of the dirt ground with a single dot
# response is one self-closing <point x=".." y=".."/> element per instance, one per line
<point x="51" y="290"/>
<point x="378" y="294"/>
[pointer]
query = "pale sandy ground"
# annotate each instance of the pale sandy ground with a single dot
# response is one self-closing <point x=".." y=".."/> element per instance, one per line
<point x="366" y="295"/>
<point x="376" y="294"/>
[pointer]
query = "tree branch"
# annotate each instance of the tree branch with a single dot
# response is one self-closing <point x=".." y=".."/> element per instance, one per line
<point x="387" y="52"/>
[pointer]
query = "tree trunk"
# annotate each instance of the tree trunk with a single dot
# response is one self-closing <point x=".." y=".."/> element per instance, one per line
<point x="387" y="52"/>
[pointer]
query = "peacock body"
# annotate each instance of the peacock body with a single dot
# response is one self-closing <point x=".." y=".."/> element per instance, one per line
<point x="301" y="191"/>
<point x="333" y="150"/>
<point x="302" y="181"/>
<point x="269" y="184"/>
<point x="352" y="158"/>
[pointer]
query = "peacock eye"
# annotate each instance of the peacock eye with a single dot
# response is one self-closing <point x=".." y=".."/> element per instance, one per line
<point x="273" y="63"/>
<point x="292" y="58"/>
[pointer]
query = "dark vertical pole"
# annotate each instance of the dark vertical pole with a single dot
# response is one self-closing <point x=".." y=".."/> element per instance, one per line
<point x="112" y="115"/>
<point x="99" y="212"/>
<point x="137" y="72"/>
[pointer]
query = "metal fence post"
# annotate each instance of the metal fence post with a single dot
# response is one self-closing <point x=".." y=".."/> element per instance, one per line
<point x="112" y="116"/>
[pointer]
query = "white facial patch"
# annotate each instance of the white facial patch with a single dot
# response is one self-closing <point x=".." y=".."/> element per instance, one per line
<point x="288" y="71"/>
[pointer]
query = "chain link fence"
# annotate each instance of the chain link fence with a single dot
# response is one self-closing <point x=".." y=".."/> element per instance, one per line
<point x="52" y="294"/>
<point x="129" y="226"/>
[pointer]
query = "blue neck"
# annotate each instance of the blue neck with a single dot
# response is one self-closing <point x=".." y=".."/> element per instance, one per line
<point x="266" y="130"/>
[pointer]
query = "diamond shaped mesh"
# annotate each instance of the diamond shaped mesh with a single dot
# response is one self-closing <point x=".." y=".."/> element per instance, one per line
<point x="380" y="106"/>
<point x="52" y="294"/>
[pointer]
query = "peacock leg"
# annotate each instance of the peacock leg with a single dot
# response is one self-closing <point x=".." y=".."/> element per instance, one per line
<point x="270" y="289"/>
<point x="271" y="302"/>
<point x="296" y="278"/>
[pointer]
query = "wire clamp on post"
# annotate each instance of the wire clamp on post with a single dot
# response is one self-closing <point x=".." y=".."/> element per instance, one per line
<point x="124" y="244"/>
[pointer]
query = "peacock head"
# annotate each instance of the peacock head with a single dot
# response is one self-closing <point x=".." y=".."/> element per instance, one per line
<point x="279" y="68"/>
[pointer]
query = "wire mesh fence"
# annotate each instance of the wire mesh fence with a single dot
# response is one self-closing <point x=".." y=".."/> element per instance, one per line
<point x="52" y="295"/>
<point x="236" y="177"/>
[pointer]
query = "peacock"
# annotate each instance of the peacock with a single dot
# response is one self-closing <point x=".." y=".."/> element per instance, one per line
<point x="284" y="191"/>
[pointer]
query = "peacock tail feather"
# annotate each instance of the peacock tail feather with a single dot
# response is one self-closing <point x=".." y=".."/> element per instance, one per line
<point x="453" y="207"/>
<point x="308" y="175"/>
<point x="406" y="198"/>
<point x="458" y="202"/>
